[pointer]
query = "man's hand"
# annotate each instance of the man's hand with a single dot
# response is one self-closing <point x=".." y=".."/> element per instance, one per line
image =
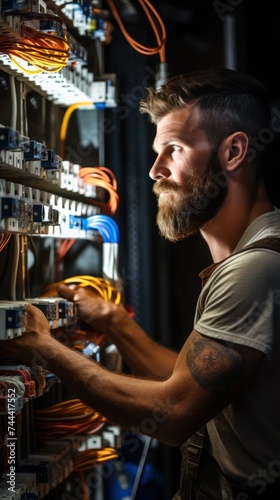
<point x="98" y="313"/>
<point x="143" y="356"/>
<point x="35" y="338"/>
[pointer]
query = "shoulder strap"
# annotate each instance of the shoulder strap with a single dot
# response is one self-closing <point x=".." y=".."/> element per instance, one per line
<point x="270" y="242"/>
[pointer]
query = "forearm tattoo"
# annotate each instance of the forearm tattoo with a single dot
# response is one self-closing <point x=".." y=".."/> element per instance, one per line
<point x="213" y="364"/>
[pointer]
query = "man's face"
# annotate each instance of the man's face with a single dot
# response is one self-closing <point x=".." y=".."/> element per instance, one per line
<point x="189" y="183"/>
<point x="189" y="206"/>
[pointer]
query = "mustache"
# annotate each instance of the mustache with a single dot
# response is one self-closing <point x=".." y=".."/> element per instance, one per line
<point x="164" y="185"/>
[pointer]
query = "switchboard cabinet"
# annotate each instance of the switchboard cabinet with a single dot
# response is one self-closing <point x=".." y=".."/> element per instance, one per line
<point x="57" y="206"/>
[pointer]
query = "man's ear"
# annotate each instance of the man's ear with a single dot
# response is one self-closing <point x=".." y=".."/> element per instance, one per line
<point x="233" y="150"/>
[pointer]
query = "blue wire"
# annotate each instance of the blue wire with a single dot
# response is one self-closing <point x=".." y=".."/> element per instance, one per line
<point x="106" y="226"/>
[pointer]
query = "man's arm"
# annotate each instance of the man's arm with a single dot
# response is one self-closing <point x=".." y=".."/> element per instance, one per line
<point x="207" y="375"/>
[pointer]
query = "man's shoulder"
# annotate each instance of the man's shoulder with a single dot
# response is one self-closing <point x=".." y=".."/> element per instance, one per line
<point x="248" y="258"/>
<point x="265" y="226"/>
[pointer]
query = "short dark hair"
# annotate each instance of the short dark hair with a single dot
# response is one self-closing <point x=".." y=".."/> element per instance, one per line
<point x="228" y="100"/>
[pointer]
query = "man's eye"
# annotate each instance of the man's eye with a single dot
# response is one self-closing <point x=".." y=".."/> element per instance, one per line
<point x="175" y="147"/>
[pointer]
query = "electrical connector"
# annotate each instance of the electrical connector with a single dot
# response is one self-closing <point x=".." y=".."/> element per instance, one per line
<point x="49" y="308"/>
<point x="9" y="138"/>
<point x="45" y="214"/>
<point x="12" y="319"/>
<point x="92" y="351"/>
<point x="12" y="208"/>
<point x="161" y="75"/>
<point x="36" y="151"/>
<point x="51" y="160"/>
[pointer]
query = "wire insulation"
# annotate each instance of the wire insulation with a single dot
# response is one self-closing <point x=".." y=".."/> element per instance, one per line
<point x="43" y="51"/>
<point x="100" y="285"/>
<point x="102" y="177"/>
<point x="156" y="23"/>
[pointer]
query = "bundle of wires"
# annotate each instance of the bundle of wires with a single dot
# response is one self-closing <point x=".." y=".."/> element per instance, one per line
<point x="85" y="460"/>
<point x="100" y="285"/>
<point x="4" y="239"/>
<point x="67" y="418"/>
<point x="63" y="248"/>
<point x="80" y="334"/>
<point x="43" y="51"/>
<point x="109" y="231"/>
<point x="106" y="226"/>
<point x="98" y="176"/>
<point x="102" y="177"/>
<point x="156" y="23"/>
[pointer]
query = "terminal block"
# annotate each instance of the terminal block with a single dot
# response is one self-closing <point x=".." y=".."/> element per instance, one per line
<point x="49" y="308"/>
<point x="9" y="138"/>
<point x="45" y="214"/>
<point x="37" y="151"/>
<point x="12" y="319"/>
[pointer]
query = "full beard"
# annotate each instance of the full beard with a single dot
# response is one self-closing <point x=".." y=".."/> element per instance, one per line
<point x="185" y="210"/>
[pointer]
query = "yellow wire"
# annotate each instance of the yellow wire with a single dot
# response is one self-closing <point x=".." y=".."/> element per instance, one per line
<point x="101" y="285"/>
<point x="35" y="72"/>
<point x="65" y="122"/>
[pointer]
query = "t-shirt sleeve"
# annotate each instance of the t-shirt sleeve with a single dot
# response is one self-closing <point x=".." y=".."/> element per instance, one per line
<point x="240" y="303"/>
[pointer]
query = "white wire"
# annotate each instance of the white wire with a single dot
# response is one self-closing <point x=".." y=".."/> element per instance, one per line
<point x="14" y="103"/>
<point x="15" y="266"/>
<point x="141" y="465"/>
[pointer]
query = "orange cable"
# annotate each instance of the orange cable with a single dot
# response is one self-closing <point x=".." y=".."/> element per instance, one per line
<point x="161" y="38"/>
<point x="70" y="417"/>
<point x="64" y="247"/>
<point x="87" y="459"/>
<point x="44" y="51"/>
<point x="102" y="177"/>
<point x="4" y="240"/>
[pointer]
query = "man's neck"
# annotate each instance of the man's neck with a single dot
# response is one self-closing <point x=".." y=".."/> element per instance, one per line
<point x="223" y="233"/>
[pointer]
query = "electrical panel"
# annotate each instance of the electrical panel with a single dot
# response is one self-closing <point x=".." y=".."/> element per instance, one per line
<point x="57" y="207"/>
<point x="57" y="225"/>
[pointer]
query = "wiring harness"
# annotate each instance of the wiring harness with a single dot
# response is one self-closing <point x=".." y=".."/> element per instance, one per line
<point x="100" y="285"/>
<point x="98" y="176"/>
<point x="43" y="51"/>
<point x="4" y="239"/>
<point x="67" y="418"/>
<point x="106" y="226"/>
<point x="72" y="418"/>
<point x="102" y="177"/>
<point x="85" y="460"/>
<point x="156" y="23"/>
